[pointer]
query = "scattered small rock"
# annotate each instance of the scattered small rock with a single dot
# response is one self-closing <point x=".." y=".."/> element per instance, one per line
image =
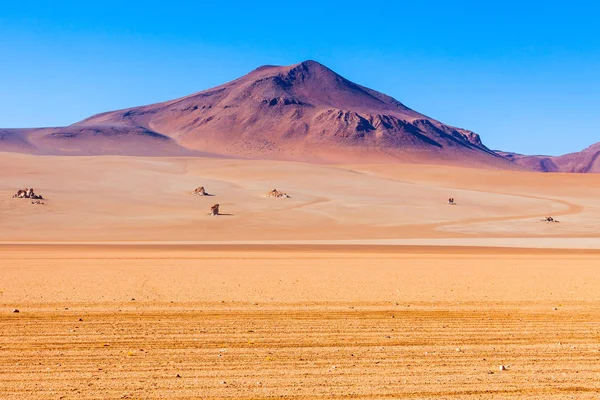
<point x="178" y="376"/>
<point x="200" y="192"/>
<point x="276" y="193"/>
<point x="16" y="310"/>
<point x="27" y="194"/>
<point x="549" y="219"/>
<point x="503" y="367"/>
<point x="80" y="320"/>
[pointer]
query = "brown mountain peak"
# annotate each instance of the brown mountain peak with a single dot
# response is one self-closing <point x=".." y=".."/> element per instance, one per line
<point x="304" y="111"/>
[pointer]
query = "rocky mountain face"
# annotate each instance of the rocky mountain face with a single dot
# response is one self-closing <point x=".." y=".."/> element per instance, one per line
<point x="303" y="112"/>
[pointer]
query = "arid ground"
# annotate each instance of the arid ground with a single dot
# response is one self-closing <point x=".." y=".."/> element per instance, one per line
<point x="363" y="284"/>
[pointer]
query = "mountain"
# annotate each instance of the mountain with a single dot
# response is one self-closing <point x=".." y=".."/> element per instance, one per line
<point x="301" y="112"/>
<point x="587" y="160"/>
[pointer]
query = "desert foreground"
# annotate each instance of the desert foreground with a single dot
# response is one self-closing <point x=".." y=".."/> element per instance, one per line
<point x="363" y="284"/>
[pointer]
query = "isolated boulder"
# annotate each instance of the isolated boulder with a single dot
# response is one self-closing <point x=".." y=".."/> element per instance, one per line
<point x="27" y="194"/>
<point x="200" y="192"/>
<point x="276" y="193"/>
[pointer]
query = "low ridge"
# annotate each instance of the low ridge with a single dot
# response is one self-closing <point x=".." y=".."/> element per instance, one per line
<point x="587" y="160"/>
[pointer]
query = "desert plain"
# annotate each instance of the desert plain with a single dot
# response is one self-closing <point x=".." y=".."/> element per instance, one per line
<point x="363" y="284"/>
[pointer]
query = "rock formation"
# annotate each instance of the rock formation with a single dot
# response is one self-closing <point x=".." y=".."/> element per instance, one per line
<point x="549" y="219"/>
<point x="200" y="192"/>
<point x="276" y="193"/>
<point x="27" y="194"/>
<point x="214" y="210"/>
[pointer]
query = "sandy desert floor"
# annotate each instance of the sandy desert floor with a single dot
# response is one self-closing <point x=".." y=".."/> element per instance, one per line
<point x="148" y="199"/>
<point x="127" y="289"/>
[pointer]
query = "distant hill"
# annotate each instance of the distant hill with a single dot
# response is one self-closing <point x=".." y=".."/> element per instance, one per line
<point x="587" y="160"/>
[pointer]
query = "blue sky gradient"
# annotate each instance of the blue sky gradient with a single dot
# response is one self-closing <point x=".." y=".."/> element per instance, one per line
<point x="525" y="75"/>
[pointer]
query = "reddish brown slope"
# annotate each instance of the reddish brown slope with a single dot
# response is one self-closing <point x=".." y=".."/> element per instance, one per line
<point x="304" y="111"/>
<point x="534" y="163"/>
<point x="90" y="140"/>
<point x="300" y="112"/>
<point x="587" y="160"/>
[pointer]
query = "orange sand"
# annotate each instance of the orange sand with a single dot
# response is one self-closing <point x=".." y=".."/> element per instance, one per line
<point x="264" y="320"/>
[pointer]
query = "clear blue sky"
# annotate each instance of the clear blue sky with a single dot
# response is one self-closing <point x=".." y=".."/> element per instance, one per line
<point x="525" y="75"/>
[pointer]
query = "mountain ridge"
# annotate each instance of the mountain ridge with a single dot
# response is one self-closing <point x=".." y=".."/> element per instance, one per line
<point x="305" y="104"/>
<point x="584" y="161"/>
<point x="301" y="112"/>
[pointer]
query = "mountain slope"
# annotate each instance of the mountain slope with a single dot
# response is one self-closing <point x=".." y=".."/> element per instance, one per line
<point x="301" y="112"/>
<point x="587" y="160"/>
<point x="91" y="140"/>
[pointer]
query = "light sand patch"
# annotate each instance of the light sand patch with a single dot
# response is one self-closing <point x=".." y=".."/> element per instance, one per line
<point x="147" y="199"/>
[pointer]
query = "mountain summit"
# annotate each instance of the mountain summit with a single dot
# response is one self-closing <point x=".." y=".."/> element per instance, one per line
<point x="300" y="112"/>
